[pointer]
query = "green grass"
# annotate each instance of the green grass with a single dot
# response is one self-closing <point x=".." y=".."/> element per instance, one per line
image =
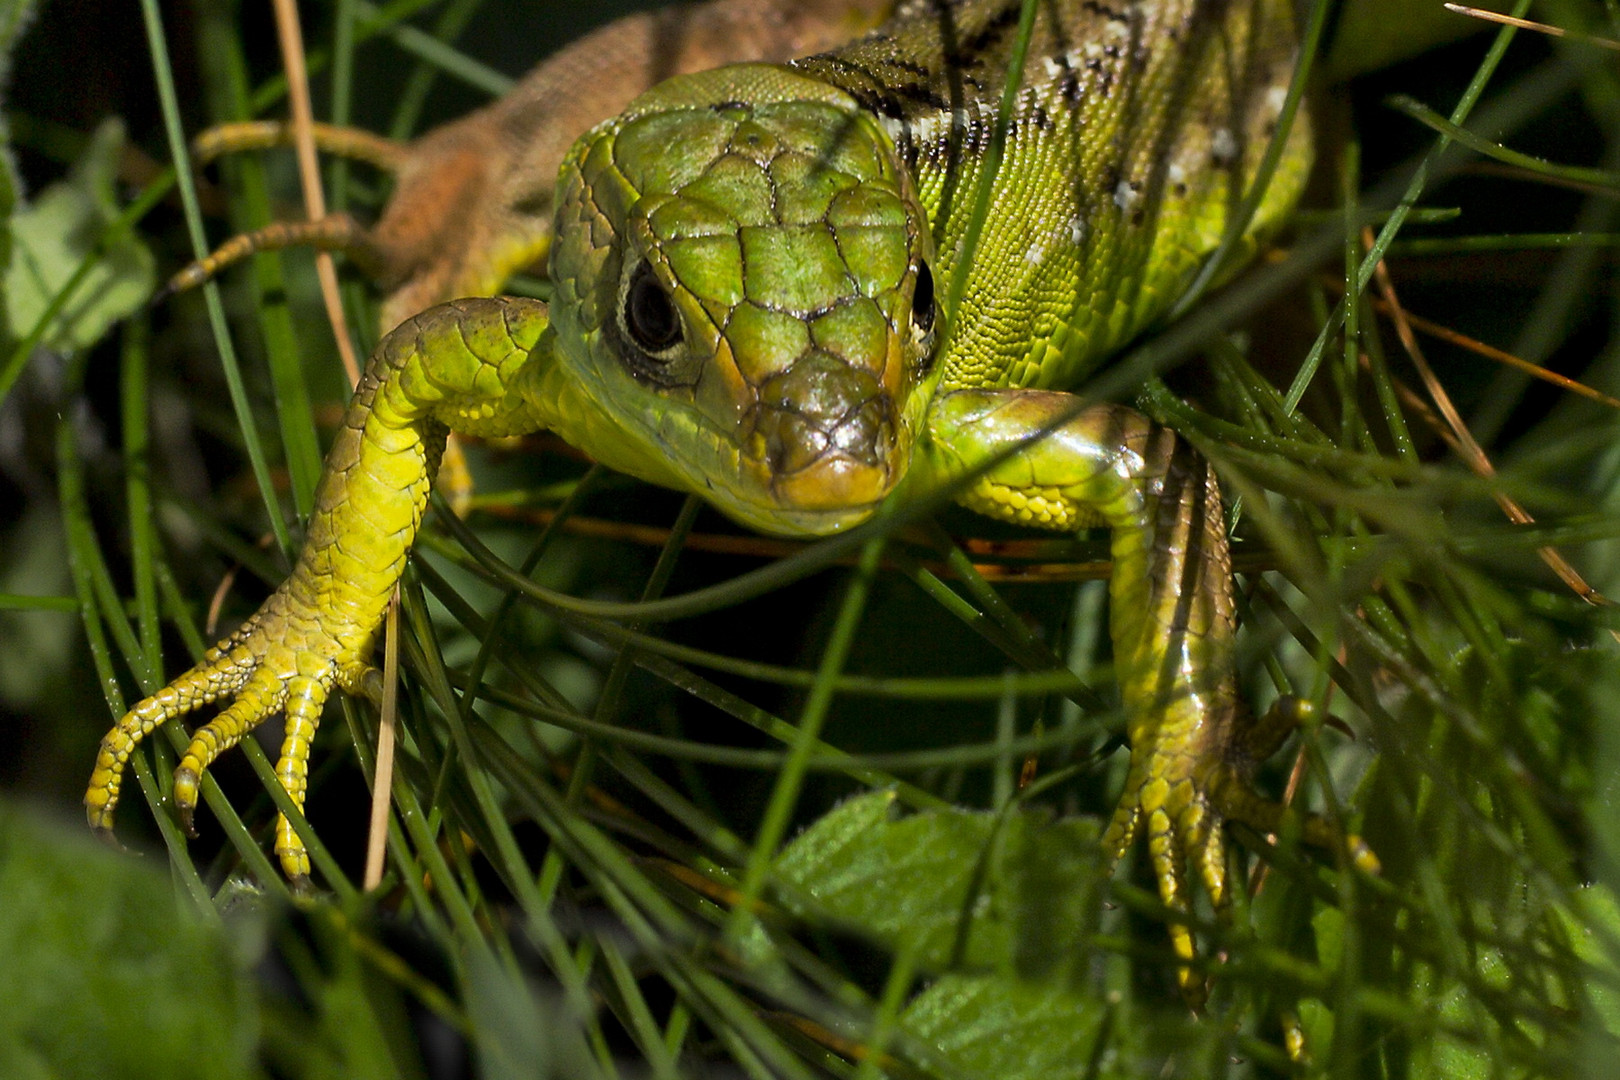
<point x="595" y="864"/>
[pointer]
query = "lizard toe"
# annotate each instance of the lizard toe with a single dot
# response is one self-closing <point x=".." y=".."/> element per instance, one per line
<point x="222" y="673"/>
<point x="256" y="702"/>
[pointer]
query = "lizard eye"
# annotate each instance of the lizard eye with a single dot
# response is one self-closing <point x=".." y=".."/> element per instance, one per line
<point x="649" y="315"/>
<point x="922" y="300"/>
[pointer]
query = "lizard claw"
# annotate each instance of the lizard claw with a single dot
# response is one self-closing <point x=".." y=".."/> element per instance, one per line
<point x="185" y="797"/>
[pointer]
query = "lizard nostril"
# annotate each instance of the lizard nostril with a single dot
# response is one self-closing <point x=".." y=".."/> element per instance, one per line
<point x="864" y="434"/>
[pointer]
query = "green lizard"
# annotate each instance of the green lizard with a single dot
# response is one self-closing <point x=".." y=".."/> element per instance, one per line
<point x="752" y="273"/>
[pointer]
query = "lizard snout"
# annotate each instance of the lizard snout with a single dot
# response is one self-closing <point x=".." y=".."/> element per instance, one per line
<point x="824" y="435"/>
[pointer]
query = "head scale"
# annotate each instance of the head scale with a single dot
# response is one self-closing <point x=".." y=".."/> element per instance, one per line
<point x="742" y="283"/>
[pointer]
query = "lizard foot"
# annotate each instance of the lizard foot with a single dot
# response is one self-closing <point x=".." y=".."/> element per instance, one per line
<point x="1180" y="796"/>
<point x="275" y="663"/>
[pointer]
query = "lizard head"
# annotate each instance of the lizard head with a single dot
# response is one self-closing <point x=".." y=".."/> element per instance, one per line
<point x="743" y="294"/>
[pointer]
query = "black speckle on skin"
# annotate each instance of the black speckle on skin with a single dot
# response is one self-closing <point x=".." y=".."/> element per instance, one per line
<point x="974" y="46"/>
<point x="978" y="136"/>
<point x="907" y="149"/>
<point x="920" y="94"/>
<point x="884" y="105"/>
<point x="1110" y="13"/>
<point x="911" y="67"/>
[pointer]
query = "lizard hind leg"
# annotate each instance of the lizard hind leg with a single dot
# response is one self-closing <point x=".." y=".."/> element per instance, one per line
<point x="1168" y="852"/>
<point x="1039" y="458"/>
<point x="1234" y="793"/>
<point x="1263" y="737"/>
<point x="353" y="143"/>
<point x="1238" y="801"/>
<point x="480" y="364"/>
<point x="335" y="232"/>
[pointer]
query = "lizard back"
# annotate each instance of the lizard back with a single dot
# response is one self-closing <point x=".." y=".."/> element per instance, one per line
<point x="1134" y="130"/>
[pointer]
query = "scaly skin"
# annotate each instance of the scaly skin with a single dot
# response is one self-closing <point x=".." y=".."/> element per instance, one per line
<point x="433" y="373"/>
<point x="750" y="268"/>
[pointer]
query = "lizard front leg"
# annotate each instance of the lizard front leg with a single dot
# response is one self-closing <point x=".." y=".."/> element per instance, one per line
<point x="1193" y="748"/>
<point x="463" y="366"/>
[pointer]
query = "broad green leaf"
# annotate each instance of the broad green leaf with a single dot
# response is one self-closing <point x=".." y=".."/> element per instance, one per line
<point x="991" y="1026"/>
<point x="56" y="232"/>
<point x="1315" y="1016"/>
<point x="1328" y="923"/>
<point x="1002" y="1028"/>
<point x="1594" y="933"/>
<point x="102" y="975"/>
<point x="1015" y="893"/>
